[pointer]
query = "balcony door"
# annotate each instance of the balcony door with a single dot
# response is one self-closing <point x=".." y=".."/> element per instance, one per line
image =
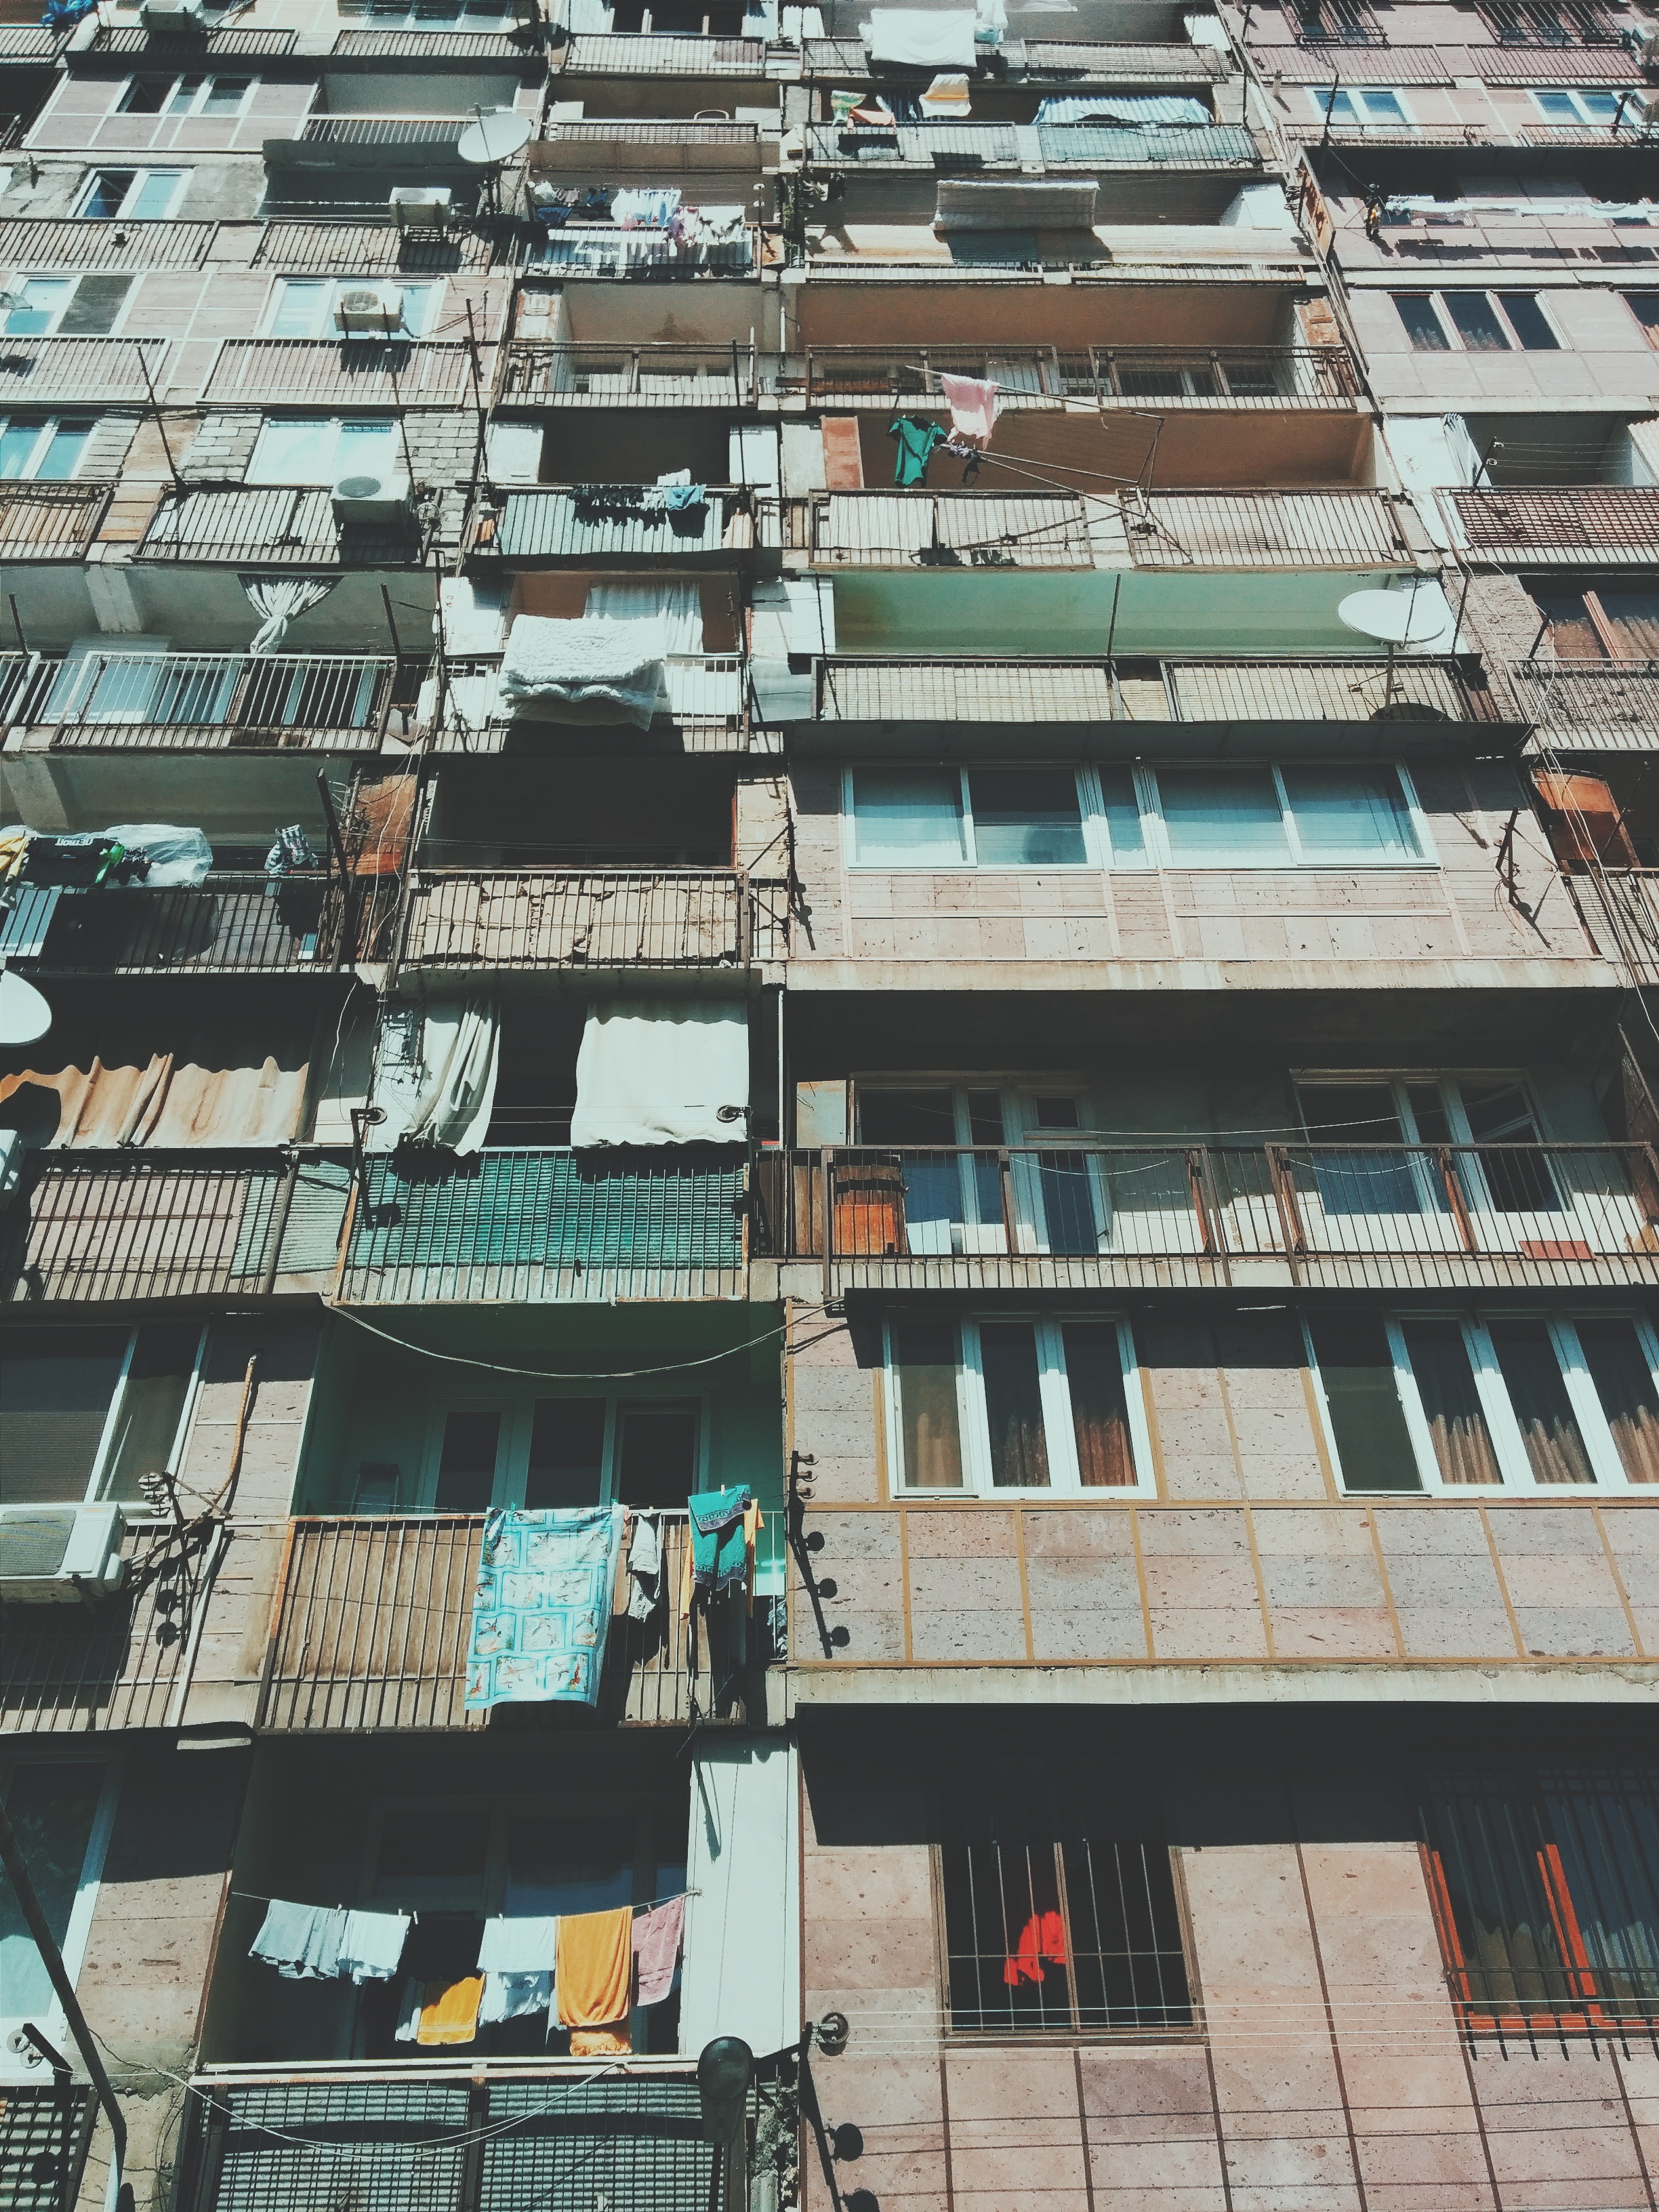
<point x="944" y="1196"/>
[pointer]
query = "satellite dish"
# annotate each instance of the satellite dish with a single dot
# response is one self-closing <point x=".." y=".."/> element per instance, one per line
<point x="25" y="1017"/>
<point x="1387" y="616"/>
<point x="495" y="139"/>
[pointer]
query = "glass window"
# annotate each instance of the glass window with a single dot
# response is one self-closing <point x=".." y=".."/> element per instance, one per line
<point x="1424" y="327"/>
<point x="152" y="1406"/>
<point x="141" y="194"/>
<point x="432" y="1856"/>
<point x="1350" y="814"/>
<point x="145" y="95"/>
<point x="1619" y="1368"/>
<point x="55" y="1388"/>
<point x="466" y="1462"/>
<point x="1013" y="1406"/>
<point x="1026" y="818"/>
<point x="366" y="448"/>
<point x="1476" y="321"/>
<point x="60" y="457"/>
<point x="1644" y="305"/>
<point x="40" y="300"/>
<point x="1123" y="823"/>
<point x="321" y="449"/>
<point x="656" y="1455"/>
<point x="1219" y="818"/>
<point x="53" y="1806"/>
<point x="1458" y="1434"/>
<point x="184" y="95"/>
<point x="19" y="441"/>
<point x="154" y="196"/>
<point x="1550" y="1434"/>
<point x="299" y="307"/>
<point x="225" y="95"/>
<point x="1362" y="1402"/>
<point x="926" y="1355"/>
<point x="107" y="193"/>
<point x="1527" y="321"/>
<point x="908" y="817"/>
<point x="1100" y="1413"/>
<point x="567" y="1454"/>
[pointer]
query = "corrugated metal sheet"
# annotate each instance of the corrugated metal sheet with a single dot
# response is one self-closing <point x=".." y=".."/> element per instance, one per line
<point x="1358" y="64"/>
<point x="591" y="53"/>
<point x="265" y="525"/>
<point x="1267" y="530"/>
<point x="1226" y="145"/>
<point x="549" y="526"/>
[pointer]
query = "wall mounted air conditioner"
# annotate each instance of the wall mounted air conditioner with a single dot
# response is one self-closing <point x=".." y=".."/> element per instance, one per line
<point x="180" y="21"/>
<point x="369" y="310"/>
<point x="421" y="207"/>
<point x="372" y="501"/>
<point x="1644" y="110"/>
<point x="58" y="1554"/>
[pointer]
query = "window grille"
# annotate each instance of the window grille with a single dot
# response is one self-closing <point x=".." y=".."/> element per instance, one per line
<point x="1337" y="23"/>
<point x="1551" y="22"/>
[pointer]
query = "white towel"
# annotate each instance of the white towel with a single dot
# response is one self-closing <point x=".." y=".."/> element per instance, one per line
<point x="591" y="670"/>
<point x="645" y="1567"/>
<point x="515" y="1996"/>
<point x="371" y="1946"/>
<point x="922" y="37"/>
<point x="518" y="1944"/>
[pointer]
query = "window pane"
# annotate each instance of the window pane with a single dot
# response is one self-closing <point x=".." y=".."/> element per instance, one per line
<point x="1556" y="106"/>
<point x="1340" y="106"/>
<point x="1423" y="326"/>
<point x="1549" y="1427"/>
<point x="52" y="1808"/>
<point x="1100" y="1418"/>
<point x="1445" y="1381"/>
<point x="432" y="1856"/>
<point x="146" y="95"/>
<point x="41" y="297"/>
<point x="1385" y="107"/>
<point x="909" y="818"/>
<point x="466" y="1467"/>
<point x="1368" y="1423"/>
<point x="1477" y="321"/>
<point x="62" y="457"/>
<point x="1123" y="826"/>
<point x="1222" y="816"/>
<point x="184" y="97"/>
<point x="926" y="1356"/>
<point x="55" y="1391"/>
<point x="1526" y="321"/>
<point x="152" y="1406"/>
<point x="656" y="1455"/>
<point x="1644" y="305"/>
<point x="297" y="452"/>
<point x="366" y="449"/>
<point x="1026" y="818"/>
<point x="299" y="308"/>
<point x="155" y="195"/>
<point x="1633" y="617"/>
<point x="226" y="95"/>
<point x="1349" y="813"/>
<point x="1500" y="1113"/>
<point x="17" y="443"/>
<point x="559" y="1865"/>
<point x="109" y="189"/>
<point x="567" y="1454"/>
<point x="418" y="304"/>
<point x="1624" y="1382"/>
<point x="1013" y="1405"/>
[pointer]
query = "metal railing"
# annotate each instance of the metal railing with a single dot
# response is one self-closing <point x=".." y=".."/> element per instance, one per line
<point x="1587" y="525"/>
<point x="1109" y="62"/>
<point x="1047" y="377"/>
<point x="548" y="1226"/>
<point x="1059" y="145"/>
<point x="372" y="1619"/>
<point x="270" y="526"/>
<point x="705" y="695"/>
<point x="383" y="130"/>
<point x="957" y="530"/>
<point x="1267" y="530"/>
<point x="70" y="369"/>
<point x="1611" y="704"/>
<point x="439" y="46"/>
<point x="912" y="145"/>
<point x="660" y="54"/>
<point x="615" y="138"/>
<point x="642" y="256"/>
<point x="49" y="242"/>
<point x="895" y="687"/>
<point x="50" y="522"/>
<point x="366" y="244"/>
<point x="116" y="1664"/>
<point x="1227" y="146"/>
<point x="536" y="372"/>
<point x="361" y="371"/>
<point x="593" y="918"/>
<point x="1325" y="1216"/>
<point x="203" y="702"/>
<point x="234" y="923"/>
<point x="1619" y="907"/>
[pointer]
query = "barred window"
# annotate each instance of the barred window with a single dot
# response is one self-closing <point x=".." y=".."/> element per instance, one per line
<point x="1060" y="1912"/>
<point x="1545" y="1894"/>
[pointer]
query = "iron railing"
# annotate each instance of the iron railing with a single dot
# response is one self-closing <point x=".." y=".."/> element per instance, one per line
<point x="367" y="246"/>
<point x="1586" y="525"/>
<point x="379" y="132"/>
<point x="591" y="918"/>
<point x="1325" y="1216"/>
<point x="437" y="45"/>
<point x="204" y="701"/>
<point x="974" y="146"/>
<point x="236" y="923"/>
<point x="705" y="694"/>
<point x="646" y="256"/>
<point x="71" y="370"/>
<point x="536" y="373"/>
<point x="1267" y="530"/>
<point x="50" y="522"/>
<point x="46" y="2133"/>
<point x="1605" y="705"/>
<point x="276" y="524"/>
<point x="956" y="530"/>
<point x="660" y="54"/>
<point x="1069" y="63"/>
<point x="29" y="242"/>
<point x="547" y="1225"/>
<point x="360" y="370"/>
<point x="1619" y="907"/>
<point x="372" y="1617"/>
<point x="1045" y="377"/>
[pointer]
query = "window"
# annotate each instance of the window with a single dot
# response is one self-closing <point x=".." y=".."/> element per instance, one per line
<point x="1423" y="326"/>
<point x="131" y="195"/>
<point x="85" y="1412"/>
<point x="61" y="1810"/>
<point x="1618" y="620"/>
<point x="992" y="1405"/>
<point x="47" y="447"/>
<point x="1594" y="107"/>
<point x="1060" y="1910"/>
<point x="1484" y="322"/>
<point x="1550" y="22"/>
<point x="558" y="1451"/>
<point x="1545" y="1888"/>
<point x="430" y="14"/>
<point x="1373" y="107"/>
<point x="1335" y="22"/>
<point x="320" y="449"/>
<point x="186" y="95"/>
<point x="1454" y="1402"/>
<point x="1644" y="305"/>
<point x="1249" y="816"/>
<point x="303" y="307"/>
<point x="79" y="306"/>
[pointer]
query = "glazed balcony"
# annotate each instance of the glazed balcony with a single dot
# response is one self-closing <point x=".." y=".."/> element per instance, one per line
<point x="1583" y="527"/>
<point x="236" y="923"/>
<point x="1046" y="379"/>
<point x="594" y="920"/>
<point x="1314" y="1216"/>
<point x="1592" y="705"/>
<point x="373" y="1618"/>
<point x="204" y="701"/>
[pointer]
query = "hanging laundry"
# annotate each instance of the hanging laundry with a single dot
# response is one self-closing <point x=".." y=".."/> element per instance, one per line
<point x="302" y="1941"/>
<point x="449" y="2011"/>
<point x="592" y="1973"/>
<point x="518" y="1944"/>
<point x="657" y="1937"/>
<point x="648" y="209"/>
<point x="684" y="226"/>
<point x="371" y="1945"/>
<point x="916" y="441"/>
<point x="1042" y="1937"/>
<point x="719" y="1554"/>
<point x="947" y="96"/>
<point x="645" y="1590"/>
<point x="293" y="849"/>
<point x="79" y="862"/>
<point x="515" y="1996"/>
<point x="973" y="405"/>
<point x="542" y="1609"/>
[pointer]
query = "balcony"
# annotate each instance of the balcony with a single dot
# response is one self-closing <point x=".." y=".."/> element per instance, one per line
<point x="1134" y="1218"/>
<point x="1045" y="379"/>
<point x="90" y="1229"/>
<point x="962" y="147"/>
<point x="540" y="1227"/>
<point x="537" y="374"/>
<point x="605" y="250"/>
<point x="47" y="242"/>
<point x="1591" y="706"/>
<point x="203" y="702"/>
<point x="272" y="526"/>
<point x="50" y="522"/>
<point x="369" y="141"/>
<point x="706" y="699"/>
<point x="449" y="47"/>
<point x="658" y="55"/>
<point x="69" y="372"/>
<point x="1586" y="526"/>
<point x="117" y="1664"/>
<point x="1621" y="910"/>
<point x="233" y="924"/>
<point x="1080" y="64"/>
<point x="358" y="372"/>
<point x="373" y="1617"/>
<point x="619" y="524"/>
<point x="590" y="920"/>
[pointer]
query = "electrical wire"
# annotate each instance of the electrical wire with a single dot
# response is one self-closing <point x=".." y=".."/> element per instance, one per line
<point x="563" y="1374"/>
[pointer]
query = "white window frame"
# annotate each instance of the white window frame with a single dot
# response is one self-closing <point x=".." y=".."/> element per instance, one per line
<point x="142" y="174"/>
<point x="41" y="1751"/>
<point x="336" y="423"/>
<point x="196" y="105"/>
<point x="1360" y="97"/>
<point x="19" y="284"/>
<point x="49" y="430"/>
<point x="1088" y="808"/>
<point x="518" y="1421"/>
<point x="1577" y="97"/>
<point x="1059" y="1436"/>
<point x="1155" y="829"/>
<point x="100" y="1462"/>
<point x="1494" y="300"/>
<point x="330" y="288"/>
<point x="1509" y="1448"/>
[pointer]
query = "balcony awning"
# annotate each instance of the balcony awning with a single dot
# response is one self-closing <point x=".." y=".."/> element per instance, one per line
<point x="658" y="1072"/>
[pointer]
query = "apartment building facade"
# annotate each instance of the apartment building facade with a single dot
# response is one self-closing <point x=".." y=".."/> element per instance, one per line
<point x="900" y="762"/>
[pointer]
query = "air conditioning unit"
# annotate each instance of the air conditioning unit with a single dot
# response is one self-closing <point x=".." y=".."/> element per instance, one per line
<point x="59" y="1554"/>
<point x="1643" y="109"/>
<point x="180" y="21"/>
<point x="1647" y="49"/>
<point x="372" y="501"/>
<point x="421" y="207"/>
<point x="369" y="310"/>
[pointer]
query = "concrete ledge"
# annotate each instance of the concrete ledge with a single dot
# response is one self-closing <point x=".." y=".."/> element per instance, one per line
<point x="1136" y="1683"/>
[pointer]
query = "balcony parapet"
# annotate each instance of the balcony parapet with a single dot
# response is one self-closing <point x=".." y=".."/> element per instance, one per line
<point x="236" y="923"/>
<point x="288" y="526"/>
<point x="199" y="702"/>
<point x="1619" y="907"/>
<point x="1591" y="706"/>
<point x="50" y="522"/>
<point x="71" y="370"/>
<point x="705" y="706"/>
<point x="561" y="524"/>
<point x="355" y="371"/>
<point x="658" y="54"/>
<point x="1069" y="65"/>
<point x="1047" y="379"/>
<point x="367" y="140"/>
<point x="960" y="148"/>
<point x="1581" y="525"/>
<point x="426" y="48"/>
<point x="594" y="919"/>
<point x="132" y="41"/>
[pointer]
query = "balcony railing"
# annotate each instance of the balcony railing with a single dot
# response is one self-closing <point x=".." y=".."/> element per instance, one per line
<point x="1226" y="377"/>
<point x="73" y="371"/>
<point x="371" y="135"/>
<point x="1599" y="705"/>
<point x="50" y="522"/>
<point x="1077" y="63"/>
<point x="660" y="54"/>
<point x="373" y="1615"/>
<point x="548" y="1226"/>
<point x="562" y="524"/>
<point x="233" y="924"/>
<point x="644" y="256"/>
<point x="705" y="699"/>
<point x="953" y="529"/>
<point x="116" y="1664"/>
<point x="353" y="372"/>
<point x="92" y="1229"/>
<point x="1088" y="1216"/>
<point x="204" y="701"/>
<point x="594" y="918"/>
<point x="276" y="524"/>
<point x="960" y="147"/>
<point x="535" y="374"/>
<point x="1268" y="529"/>
<point x="1619" y="907"/>
<point x="1587" y="526"/>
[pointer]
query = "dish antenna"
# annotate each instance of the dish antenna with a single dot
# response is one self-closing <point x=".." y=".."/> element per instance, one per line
<point x="491" y="142"/>
<point x="25" y="1017"/>
<point x="1387" y="616"/>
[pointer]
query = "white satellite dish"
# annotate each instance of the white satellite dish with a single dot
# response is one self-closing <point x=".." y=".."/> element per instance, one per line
<point x="495" y="139"/>
<point x="25" y="1017"/>
<point x="1386" y="616"/>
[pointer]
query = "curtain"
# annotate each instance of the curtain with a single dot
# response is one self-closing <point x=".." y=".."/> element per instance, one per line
<point x="1100" y="1418"/>
<point x="1624" y="1382"/>
<point x="435" y="1077"/>
<point x="926" y="1359"/>
<point x="279" y="599"/>
<point x="658" y="1072"/>
<point x="1451" y="1405"/>
<point x="1549" y="1428"/>
<point x="679" y="604"/>
<point x="1013" y="1406"/>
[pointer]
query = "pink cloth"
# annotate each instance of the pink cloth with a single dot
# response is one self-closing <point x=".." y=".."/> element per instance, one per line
<point x="656" y="1948"/>
<point x="973" y="407"/>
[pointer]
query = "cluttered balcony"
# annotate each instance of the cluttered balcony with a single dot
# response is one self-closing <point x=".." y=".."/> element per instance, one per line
<point x="968" y="148"/>
<point x="282" y="525"/>
<point x="1073" y="64"/>
<point x="1321" y="1216"/>
<point x="687" y="524"/>
<point x="232" y="923"/>
<point x="659" y="200"/>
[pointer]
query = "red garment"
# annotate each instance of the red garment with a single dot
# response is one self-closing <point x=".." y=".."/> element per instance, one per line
<point x="1043" y="1936"/>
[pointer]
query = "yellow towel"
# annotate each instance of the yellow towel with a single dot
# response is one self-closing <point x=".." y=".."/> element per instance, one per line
<point x="593" y="1968"/>
<point x="601" y="2042"/>
<point x="449" y="2011"/>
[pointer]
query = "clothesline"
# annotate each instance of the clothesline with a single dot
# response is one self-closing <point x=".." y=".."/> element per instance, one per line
<point x="258" y="1897"/>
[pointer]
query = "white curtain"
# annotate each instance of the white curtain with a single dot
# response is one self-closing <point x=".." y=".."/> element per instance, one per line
<point x="679" y="604"/>
<point x="436" y="1077"/>
<point x="658" y="1071"/>
<point x="279" y="599"/>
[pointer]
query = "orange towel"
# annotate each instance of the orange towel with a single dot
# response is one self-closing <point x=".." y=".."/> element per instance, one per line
<point x="593" y="1969"/>
<point x="449" y="2011"/>
<point x="601" y="2042"/>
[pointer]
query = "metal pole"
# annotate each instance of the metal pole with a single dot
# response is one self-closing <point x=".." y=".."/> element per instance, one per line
<point x="160" y="426"/>
<point x="52" y="1959"/>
